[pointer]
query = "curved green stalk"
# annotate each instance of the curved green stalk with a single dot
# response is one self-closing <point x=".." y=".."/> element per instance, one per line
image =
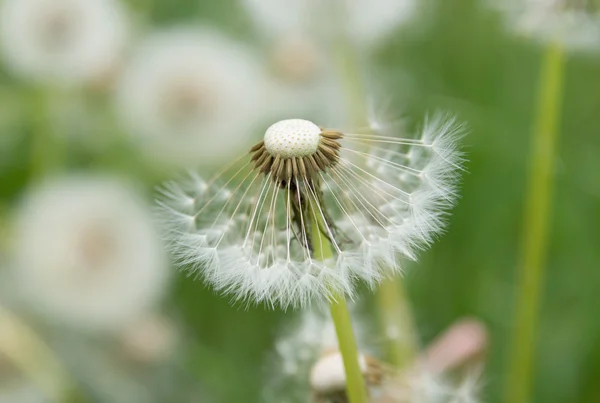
<point x="355" y="382"/>
<point x="536" y="219"/>
<point x="397" y="322"/>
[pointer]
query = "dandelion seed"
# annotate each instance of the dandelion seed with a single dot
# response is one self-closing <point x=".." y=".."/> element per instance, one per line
<point x="86" y="253"/>
<point x="64" y="41"/>
<point x="373" y="197"/>
<point x="188" y="96"/>
<point x="575" y="23"/>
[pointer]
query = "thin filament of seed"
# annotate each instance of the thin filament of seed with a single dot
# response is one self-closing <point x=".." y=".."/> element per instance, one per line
<point x="379" y="193"/>
<point x="329" y="232"/>
<point x="288" y="222"/>
<point x="376" y="177"/>
<point x="385" y="139"/>
<point x="388" y="163"/>
<point x="209" y="201"/>
<point x="342" y="208"/>
<point x="303" y="230"/>
<point x="255" y="209"/>
<point x="231" y="197"/>
<point x="240" y="202"/>
<point x="265" y="231"/>
<point x="350" y="199"/>
<point x="361" y="198"/>
<point x="262" y="205"/>
<point x="371" y="187"/>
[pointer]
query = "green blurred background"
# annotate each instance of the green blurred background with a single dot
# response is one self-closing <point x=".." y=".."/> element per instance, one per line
<point x="457" y="57"/>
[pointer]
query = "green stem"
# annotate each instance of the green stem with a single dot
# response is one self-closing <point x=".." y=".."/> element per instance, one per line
<point x="397" y="322"/>
<point x="348" y="69"/>
<point x="537" y="209"/>
<point x="395" y="311"/>
<point x="355" y="382"/>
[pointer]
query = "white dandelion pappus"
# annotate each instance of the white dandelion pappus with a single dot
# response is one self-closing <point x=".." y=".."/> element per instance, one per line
<point x="374" y="197"/>
<point x="188" y="96"/>
<point x="86" y="253"/>
<point x="62" y="41"/>
<point x="368" y="21"/>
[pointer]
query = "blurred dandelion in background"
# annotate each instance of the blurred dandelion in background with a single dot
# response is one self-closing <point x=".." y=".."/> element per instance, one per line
<point x="62" y="42"/>
<point x="368" y="22"/>
<point x="373" y="196"/>
<point x="86" y="253"/>
<point x="141" y="362"/>
<point x="576" y="23"/>
<point x="191" y="97"/>
<point x="299" y="38"/>
<point x="306" y="365"/>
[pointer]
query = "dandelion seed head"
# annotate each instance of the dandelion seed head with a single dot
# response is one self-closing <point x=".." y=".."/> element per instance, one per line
<point x="292" y="138"/>
<point x="376" y="198"/>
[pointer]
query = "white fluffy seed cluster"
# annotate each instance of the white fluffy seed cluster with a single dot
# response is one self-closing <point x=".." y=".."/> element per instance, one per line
<point x="292" y="138"/>
<point x="384" y="199"/>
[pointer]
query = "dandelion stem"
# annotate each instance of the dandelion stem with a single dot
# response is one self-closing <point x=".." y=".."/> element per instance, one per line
<point x="355" y="382"/>
<point x="397" y="322"/>
<point x="394" y="307"/>
<point x="20" y="344"/>
<point x="537" y="208"/>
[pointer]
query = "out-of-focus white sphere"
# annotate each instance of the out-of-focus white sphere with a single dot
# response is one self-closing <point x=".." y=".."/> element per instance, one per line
<point x="192" y="97"/>
<point x="86" y="253"/>
<point x="62" y="41"/>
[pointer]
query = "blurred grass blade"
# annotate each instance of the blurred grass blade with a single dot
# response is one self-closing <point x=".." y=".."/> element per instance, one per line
<point x="35" y="359"/>
<point x="536" y="225"/>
